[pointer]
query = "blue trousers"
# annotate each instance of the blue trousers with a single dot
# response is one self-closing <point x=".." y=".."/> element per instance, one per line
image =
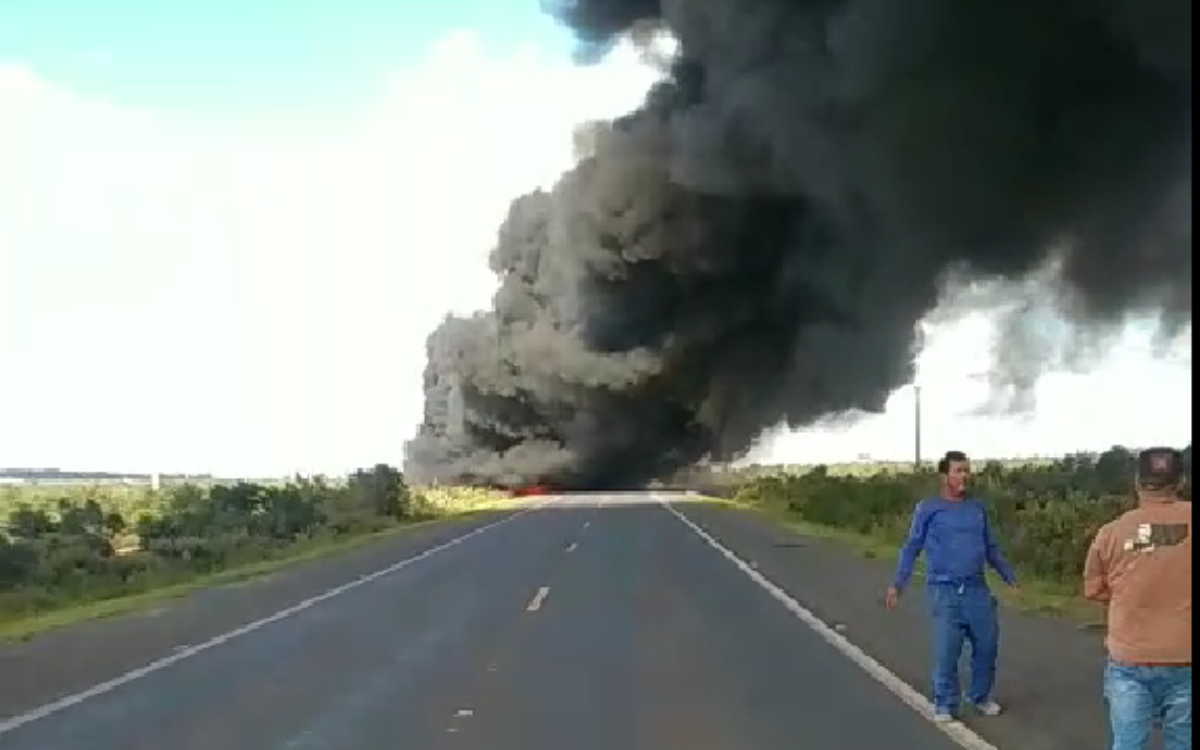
<point x="963" y="614"/>
<point x="1141" y="696"/>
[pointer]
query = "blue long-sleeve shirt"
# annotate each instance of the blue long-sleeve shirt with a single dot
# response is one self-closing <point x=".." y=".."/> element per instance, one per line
<point x="957" y="540"/>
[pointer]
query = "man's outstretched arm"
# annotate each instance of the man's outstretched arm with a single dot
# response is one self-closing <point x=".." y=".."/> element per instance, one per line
<point x="913" y="545"/>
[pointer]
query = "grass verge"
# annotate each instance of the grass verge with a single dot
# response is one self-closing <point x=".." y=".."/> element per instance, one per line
<point x="25" y="626"/>
<point x="1040" y="597"/>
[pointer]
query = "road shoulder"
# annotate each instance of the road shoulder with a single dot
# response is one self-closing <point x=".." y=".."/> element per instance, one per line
<point x="1050" y="667"/>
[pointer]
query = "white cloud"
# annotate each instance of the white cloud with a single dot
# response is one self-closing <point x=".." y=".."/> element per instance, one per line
<point x="189" y="301"/>
<point x="1130" y="398"/>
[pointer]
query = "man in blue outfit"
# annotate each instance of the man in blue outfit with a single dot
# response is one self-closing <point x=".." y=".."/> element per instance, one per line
<point x="954" y="533"/>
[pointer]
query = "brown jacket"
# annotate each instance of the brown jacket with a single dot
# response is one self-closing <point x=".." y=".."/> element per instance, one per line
<point x="1141" y="564"/>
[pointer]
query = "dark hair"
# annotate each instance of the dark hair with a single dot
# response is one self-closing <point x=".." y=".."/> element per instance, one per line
<point x="1159" y="468"/>
<point x="951" y="457"/>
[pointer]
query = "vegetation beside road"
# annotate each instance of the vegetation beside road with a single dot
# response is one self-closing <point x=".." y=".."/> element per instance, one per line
<point x="69" y="553"/>
<point x="1044" y="513"/>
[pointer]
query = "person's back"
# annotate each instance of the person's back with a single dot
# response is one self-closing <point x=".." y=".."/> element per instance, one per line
<point x="1148" y="562"/>
<point x="1141" y="566"/>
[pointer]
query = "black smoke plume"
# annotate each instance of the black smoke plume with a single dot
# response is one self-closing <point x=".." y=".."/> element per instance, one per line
<point x="757" y="242"/>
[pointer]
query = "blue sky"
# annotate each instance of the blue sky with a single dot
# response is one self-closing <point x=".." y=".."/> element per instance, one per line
<point x="262" y="60"/>
<point x="227" y="228"/>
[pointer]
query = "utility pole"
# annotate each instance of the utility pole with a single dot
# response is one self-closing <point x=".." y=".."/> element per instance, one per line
<point x="916" y="427"/>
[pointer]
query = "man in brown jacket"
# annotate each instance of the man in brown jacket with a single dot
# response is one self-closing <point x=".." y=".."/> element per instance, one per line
<point x="1141" y="566"/>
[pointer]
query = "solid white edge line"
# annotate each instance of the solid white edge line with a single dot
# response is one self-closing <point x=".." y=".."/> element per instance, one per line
<point x="960" y="733"/>
<point x="13" y="723"/>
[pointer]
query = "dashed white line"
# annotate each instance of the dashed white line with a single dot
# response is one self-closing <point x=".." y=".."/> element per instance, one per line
<point x="538" y="599"/>
<point x="13" y="723"/>
<point x="961" y="734"/>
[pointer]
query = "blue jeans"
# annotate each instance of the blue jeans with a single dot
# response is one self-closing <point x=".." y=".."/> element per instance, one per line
<point x="962" y="614"/>
<point x="1139" y="697"/>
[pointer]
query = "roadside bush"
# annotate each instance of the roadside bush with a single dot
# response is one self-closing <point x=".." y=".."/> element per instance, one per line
<point x="1045" y="515"/>
<point x="60" y="545"/>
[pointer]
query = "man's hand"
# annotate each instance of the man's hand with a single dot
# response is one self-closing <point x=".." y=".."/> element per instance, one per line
<point x="892" y="597"/>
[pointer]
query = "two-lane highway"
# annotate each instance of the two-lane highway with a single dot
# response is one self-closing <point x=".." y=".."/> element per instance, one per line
<point x="593" y="623"/>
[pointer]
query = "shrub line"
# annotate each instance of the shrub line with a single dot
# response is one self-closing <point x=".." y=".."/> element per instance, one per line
<point x="78" y="553"/>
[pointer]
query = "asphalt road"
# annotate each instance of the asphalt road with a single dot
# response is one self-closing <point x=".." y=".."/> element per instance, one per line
<point x="593" y="623"/>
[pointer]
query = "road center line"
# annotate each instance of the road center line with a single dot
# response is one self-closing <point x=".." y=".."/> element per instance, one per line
<point x="960" y="733"/>
<point x="538" y="599"/>
<point x="13" y="723"/>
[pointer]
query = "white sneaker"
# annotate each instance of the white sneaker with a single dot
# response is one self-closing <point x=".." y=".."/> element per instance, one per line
<point x="943" y="716"/>
<point x="989" y="708"/>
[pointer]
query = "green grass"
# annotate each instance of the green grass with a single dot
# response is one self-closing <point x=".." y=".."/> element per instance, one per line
<point x="24" y="626"/>
<point x="1041" y="597"/>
